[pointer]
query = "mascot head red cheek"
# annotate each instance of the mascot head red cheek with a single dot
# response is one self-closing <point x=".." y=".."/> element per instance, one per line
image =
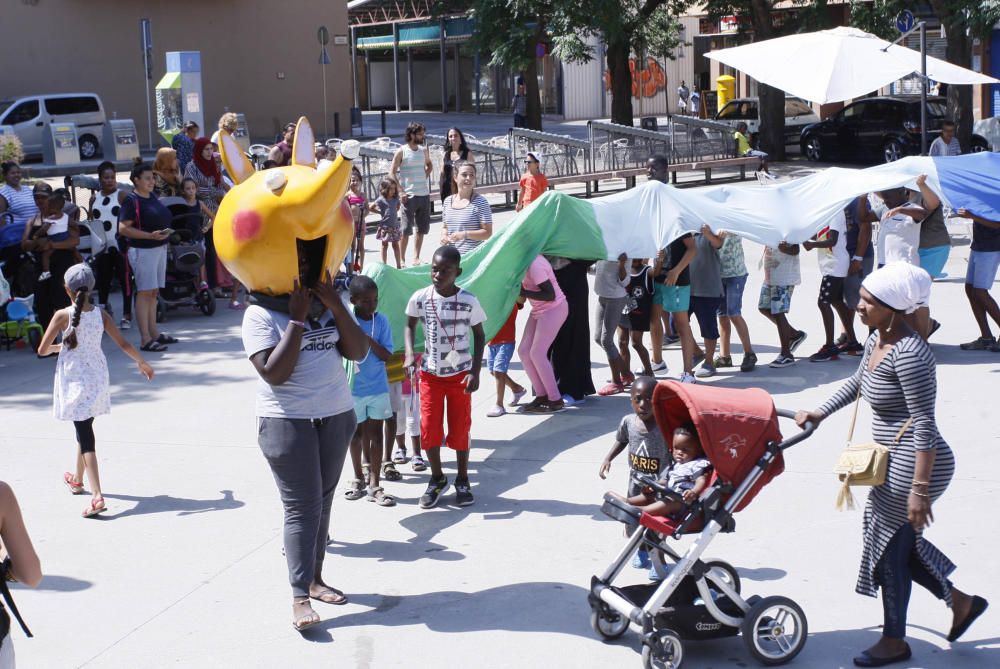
<point x="287" y="222"/>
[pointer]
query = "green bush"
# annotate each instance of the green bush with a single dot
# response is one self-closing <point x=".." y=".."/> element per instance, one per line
<point x="11" y="149"/>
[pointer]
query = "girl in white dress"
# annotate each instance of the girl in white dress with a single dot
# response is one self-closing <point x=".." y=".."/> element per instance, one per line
<point x="81" y="389"/>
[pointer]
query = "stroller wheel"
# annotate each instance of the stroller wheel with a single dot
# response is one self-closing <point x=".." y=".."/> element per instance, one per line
<point x="730" y="576"/>
<point x="662" y="649"/>
<point x="608" y="624"/>
<point x="206" y="302"/>
<point x="774" y="630"/>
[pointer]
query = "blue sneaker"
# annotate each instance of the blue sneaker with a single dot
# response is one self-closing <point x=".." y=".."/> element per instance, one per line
<point x="641" y="559"/>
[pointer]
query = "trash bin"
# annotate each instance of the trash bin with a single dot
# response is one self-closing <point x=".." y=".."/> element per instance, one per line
<point x="727" y="89"/>
<point x="121" y="141"/>
<point x="60" y="147"/>
<point x="649" y="123"/>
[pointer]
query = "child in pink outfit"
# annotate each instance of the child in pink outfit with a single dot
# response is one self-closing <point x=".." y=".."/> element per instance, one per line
<point x="548" y="311"/>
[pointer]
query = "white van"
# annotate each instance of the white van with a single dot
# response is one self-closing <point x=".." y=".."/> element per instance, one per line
<point x="30" y="115"/>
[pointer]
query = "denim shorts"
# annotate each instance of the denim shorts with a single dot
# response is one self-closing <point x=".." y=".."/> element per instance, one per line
<point x="982" y="270"/>
<point x="732" y="291"/>
<point x="372" y="407"/>
<point x="674" y="299"/>
<point x="775" y="299"/>
<point x="706" y="310"/>
<point x="498" y="357"/>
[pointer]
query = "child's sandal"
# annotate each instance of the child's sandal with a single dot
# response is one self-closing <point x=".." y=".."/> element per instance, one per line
<point x="96" y="506"/>
<point x="390" y="473"/>
<point x="379" y="496"/>
<point x="75" y="486"/>
<point x="418" y="464"/>
<point x="355" y="489"/>
<point x="399" y="456"/>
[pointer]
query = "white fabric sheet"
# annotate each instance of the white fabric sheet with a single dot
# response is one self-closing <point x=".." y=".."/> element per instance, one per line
<point x="642" y="220"/>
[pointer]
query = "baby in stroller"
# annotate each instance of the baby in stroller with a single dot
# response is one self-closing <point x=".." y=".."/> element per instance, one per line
<point x="688" y="475"/>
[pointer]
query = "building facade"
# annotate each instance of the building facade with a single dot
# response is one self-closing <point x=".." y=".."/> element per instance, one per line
<point x="258" y="57"/>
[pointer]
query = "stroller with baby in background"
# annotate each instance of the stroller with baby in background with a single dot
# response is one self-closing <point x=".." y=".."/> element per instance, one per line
<point x="700" y="599"/>
<point x="185" y="258"/>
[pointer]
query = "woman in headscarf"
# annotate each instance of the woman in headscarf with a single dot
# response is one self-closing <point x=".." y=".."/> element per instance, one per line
<point x="897" y="378"/>
<point x="166" y="174"/>
<point x="205" y="172"/>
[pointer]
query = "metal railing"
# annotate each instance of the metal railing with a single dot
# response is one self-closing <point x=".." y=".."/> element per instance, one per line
<point x="494" y="164"/>
<point x="693" y="140"/>
<point x="620" y="147"/>
<point x="561" y="155"/>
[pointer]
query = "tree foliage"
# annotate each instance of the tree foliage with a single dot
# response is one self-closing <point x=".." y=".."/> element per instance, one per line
<point x="510" y="30"/>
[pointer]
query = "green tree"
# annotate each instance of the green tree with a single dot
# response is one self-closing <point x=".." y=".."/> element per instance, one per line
<point x="511" y="30"/>
<point x="759" y="13"/>
<point x="963" y="20"/>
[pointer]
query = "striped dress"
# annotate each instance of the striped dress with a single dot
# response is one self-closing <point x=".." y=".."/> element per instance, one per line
<point x="903" y="385"/>
<point x="470" y="218"/>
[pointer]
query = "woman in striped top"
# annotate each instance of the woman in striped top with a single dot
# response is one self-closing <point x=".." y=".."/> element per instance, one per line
<point x="897" y="377"/>
<point x="468" y="221"/>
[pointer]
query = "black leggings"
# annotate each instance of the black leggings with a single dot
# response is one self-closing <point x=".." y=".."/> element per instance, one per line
<point x="85" y="435"/>
<point x="898" y="570"/>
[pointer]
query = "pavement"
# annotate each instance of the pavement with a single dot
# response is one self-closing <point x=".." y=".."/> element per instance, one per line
<point x="185" y="569"/>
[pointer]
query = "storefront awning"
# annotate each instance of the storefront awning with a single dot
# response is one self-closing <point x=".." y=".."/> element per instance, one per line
<point x="423" y="34"/>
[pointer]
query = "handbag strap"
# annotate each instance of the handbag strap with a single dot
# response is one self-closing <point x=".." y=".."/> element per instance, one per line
<point x="854" y="418"/>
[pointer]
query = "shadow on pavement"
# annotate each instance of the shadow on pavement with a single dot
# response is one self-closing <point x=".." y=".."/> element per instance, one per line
<point x="394" y="551"/>
<point x="168" y="504"/>
<point x="519" y="607"/>
<point x="57" y="583"/>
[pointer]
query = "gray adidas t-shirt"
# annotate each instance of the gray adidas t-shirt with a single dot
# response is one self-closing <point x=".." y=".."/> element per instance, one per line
<point x="317" y="387"/>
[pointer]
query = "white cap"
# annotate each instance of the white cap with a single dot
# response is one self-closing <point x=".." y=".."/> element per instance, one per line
<point x="536" y="155"/>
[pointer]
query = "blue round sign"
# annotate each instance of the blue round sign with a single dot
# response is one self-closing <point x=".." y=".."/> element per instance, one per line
<point x="905" y="21"/>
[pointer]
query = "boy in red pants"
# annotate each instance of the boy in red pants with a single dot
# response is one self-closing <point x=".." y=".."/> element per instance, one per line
<point x="450" y="370"/>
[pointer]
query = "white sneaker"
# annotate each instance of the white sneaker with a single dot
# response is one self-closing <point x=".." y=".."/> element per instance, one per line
<point x="44" y="276"/>
<point x="687" y="378"/>
<point x="496" y="412"/>
<point x="517" y="398"/>
<point x="659" y="366"/>
<point x="125" y="324"/>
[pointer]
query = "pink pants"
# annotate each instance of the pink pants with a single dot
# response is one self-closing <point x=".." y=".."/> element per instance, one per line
<point x="539" y="333"/>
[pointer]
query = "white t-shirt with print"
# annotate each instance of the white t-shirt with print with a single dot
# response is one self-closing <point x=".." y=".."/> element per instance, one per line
<point x="834" y="261"/>
<point x="898" y="236"/>
<point x="780" y="268"/>
<point x="448" y="323"/>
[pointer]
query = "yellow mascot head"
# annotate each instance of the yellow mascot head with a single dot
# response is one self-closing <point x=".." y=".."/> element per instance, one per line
<point x="284" y="223"/>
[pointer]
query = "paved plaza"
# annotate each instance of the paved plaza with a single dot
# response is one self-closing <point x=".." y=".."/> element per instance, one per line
<point x="185" y="569"/>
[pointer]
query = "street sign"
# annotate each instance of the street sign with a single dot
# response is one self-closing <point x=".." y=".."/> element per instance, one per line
<point x="905" y="21"/>
<point x="323" y="36"/>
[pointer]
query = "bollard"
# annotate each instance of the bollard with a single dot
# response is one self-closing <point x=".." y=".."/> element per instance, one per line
<point x="383" y="122"/>
<point x="336" y="124"/>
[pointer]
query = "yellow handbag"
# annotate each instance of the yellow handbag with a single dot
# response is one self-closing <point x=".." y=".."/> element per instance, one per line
<point x="862" y="464"/>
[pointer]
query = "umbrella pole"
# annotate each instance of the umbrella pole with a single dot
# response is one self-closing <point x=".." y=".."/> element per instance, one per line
<point x="923" y="88"/>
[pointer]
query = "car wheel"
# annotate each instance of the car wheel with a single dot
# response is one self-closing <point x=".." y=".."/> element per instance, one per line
<point x="979" y="144"/>
<point x="893" y="150"/>
<point x="812" y="148"/>
<point x="89" y="147"/>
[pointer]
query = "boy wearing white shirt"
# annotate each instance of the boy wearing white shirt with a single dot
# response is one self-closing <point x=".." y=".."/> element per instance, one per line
<point x="831" y="245"/>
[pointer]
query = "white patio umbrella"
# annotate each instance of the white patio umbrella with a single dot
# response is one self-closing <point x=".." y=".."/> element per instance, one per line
<point x="835" y="65"/>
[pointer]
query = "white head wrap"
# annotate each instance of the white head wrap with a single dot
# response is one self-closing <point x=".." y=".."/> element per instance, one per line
<point x="902" y="286"/>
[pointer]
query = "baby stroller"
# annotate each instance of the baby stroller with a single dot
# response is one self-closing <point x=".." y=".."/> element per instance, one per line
<point x="18" y="324"/>
<point x="700" y="599"/>
<point x="185" y="258"/>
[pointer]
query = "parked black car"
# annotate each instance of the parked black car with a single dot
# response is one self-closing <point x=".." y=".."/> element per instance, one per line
<point x="882" y="129"/>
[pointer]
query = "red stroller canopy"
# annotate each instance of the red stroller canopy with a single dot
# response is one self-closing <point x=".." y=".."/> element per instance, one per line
<point x="734" y="426"/>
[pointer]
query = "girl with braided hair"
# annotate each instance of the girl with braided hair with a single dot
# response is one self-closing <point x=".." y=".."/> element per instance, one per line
<point x="81" y="389"/>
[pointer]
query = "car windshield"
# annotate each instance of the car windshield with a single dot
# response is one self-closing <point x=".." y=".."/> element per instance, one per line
<point x="4" y="106"/>
<point x="796" y="108"/>
<point x="738" y="110"/>
<point x="937" y="108"/>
